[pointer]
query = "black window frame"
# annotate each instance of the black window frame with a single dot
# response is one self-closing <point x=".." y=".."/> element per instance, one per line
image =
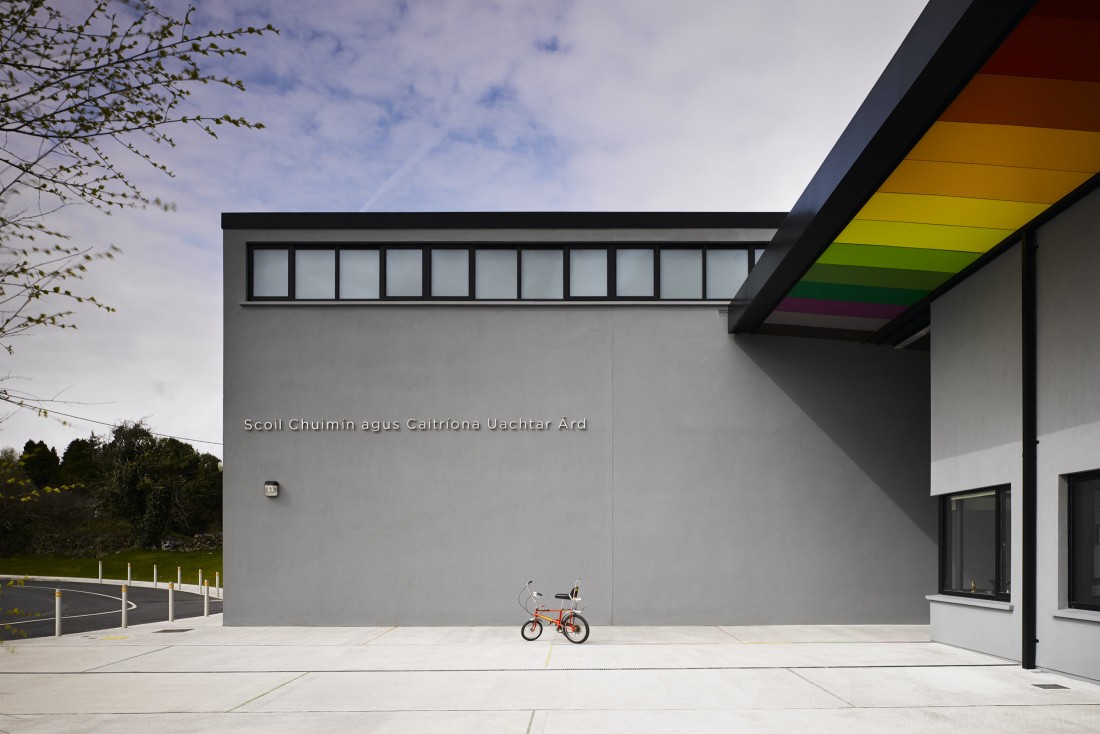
<point x="752" y="249"/>
<point x="1071" y="536"/>
<point x="1002" y="502"/>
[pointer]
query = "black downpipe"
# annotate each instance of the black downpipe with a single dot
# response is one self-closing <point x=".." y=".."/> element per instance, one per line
<point x="1030" y="441"/>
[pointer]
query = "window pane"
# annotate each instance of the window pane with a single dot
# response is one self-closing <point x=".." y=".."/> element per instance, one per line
<point x="359" y="274"/>
<point x="634" y="273"/>
<point x="1085" y="543"/>
<point x="726" y="271"/>
<point x="315" y="274"/>
<point x="543" y="274"/>
<point x="1005" y="559"/>
<point x="971" y="552"/>
<point x="450" y="272"/>
<point x="271" y="273"/>
<point x="588" y="273"/>
<point x="495" y="276"/>
<point x="681" y="273"/>
<point x="404" y="272"/>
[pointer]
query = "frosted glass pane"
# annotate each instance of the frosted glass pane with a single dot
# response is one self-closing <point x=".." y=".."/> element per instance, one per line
<point x="404" y="272"/>
<point x="450" y="273"/>
<point x="726" y="271"/>
<point x="634" y="273"/>
<point x="543" y="274"/>
<point x="271" y="273"/>
<point x="588" y="273"/>
<point x="495" y="276"/>
<point x="315" y="274"/>
<point x="359" y="274"/>
<point x="681" y="273"/>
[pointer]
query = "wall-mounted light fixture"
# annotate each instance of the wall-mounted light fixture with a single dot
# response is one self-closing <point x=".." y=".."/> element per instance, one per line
<point x="271" y="489"/>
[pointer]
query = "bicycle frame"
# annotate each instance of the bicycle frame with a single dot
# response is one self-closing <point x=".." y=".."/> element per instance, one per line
<point x="561" y="619"/>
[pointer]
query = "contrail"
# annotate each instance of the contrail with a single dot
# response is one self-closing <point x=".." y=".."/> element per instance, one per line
<point x="412" y="160"/>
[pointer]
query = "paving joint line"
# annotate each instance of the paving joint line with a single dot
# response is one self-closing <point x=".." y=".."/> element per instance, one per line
<point x="124" y="660"/>
<point x="821" y="688"/>
<point x="726" y="632"/>
<point x="510" y="670"/>
<point x="265" y="693"/>
<point x="391" y="629"/>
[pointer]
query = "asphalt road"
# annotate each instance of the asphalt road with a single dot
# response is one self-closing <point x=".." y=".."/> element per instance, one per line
<point x="88" y="607"/>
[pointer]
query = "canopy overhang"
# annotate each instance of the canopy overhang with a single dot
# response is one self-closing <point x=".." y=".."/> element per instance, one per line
<point x="986" y="122"/>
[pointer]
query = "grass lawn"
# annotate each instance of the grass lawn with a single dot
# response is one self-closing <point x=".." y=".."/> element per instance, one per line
<point x="114" y="566"/>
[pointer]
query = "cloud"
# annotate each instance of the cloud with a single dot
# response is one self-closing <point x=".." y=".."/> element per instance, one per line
<point x="450" y="105"/>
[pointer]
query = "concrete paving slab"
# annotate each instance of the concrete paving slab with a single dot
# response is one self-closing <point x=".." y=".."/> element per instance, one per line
<point x="324" y="658"/>
<point x="399" y="722"/>
<point x="546" y="689"/>
<point x="452" y="636"/>
<point x="67" y="658"/>
<point x="95" y="693"/>
<point x="972" y="720"/>
<point x="830" y="633"/>
<point x="606" y="635"/>
<point x="953" y="686"/>
<point x="639" y="679"/>
<point x="766" y="656"/>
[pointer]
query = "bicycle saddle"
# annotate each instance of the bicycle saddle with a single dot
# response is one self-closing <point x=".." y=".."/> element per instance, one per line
<point x="563" y="596"/>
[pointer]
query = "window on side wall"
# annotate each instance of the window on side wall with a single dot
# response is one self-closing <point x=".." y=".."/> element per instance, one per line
<point x="975" y="555"/>
<point x="1084" y="541"/>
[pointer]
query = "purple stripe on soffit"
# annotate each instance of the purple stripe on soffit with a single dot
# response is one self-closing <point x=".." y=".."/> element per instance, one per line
<point x="841" y="308"/>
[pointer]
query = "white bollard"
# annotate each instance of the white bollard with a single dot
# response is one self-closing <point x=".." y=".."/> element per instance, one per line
<point x="218" y="584"/>
<point x="57" y="612"/>
<point x="200" y="580"/>
<point x="129" y="574"/>
<point x="124" y="606"/>
<point x="154" y="575"/>
<point x="179" y="577"/>
<point x="206" y="599"/>
<point x="171" y="603"/>
<point x="101" y="572"/>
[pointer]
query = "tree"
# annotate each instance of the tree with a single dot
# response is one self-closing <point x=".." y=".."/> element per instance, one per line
<point x="40" y="464"/>
<point x="78" y="93"/>
<point x="78" y="463"/>
<point x="156" y="485"/>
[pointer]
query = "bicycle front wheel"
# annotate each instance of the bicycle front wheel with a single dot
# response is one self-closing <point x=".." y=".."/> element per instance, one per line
<point x="575" y="628"/>
<point x="531" y="629"/>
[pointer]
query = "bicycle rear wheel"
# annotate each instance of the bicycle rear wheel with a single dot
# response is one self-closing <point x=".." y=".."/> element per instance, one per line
<point x="575" y="628"/>
<point x="531" y="629"/>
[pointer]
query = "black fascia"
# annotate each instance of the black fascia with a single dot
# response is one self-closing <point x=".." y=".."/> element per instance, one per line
<point x="945" y="48"/>
<point x="502" y="220"/>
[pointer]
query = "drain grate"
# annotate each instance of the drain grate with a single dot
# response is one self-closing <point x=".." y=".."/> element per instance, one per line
<point x="1050" y="686"/>
<point x="174" y="629"/>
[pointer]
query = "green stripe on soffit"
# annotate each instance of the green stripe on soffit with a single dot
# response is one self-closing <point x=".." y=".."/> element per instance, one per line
<point x="925" y="280"/>
<point x="904" y="258"/>
<point x="856" y="293"/>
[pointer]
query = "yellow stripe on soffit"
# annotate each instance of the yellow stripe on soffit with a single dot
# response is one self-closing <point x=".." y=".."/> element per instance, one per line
<point x="950" y="210"/>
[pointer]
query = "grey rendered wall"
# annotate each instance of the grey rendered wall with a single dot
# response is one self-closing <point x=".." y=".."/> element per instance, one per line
<point x="720" y="480"/>
<point x="1068" y="267"/>
<point x="976" y="389"/>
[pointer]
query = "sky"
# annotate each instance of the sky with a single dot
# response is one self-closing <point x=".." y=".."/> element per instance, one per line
<point x="442" y="105"/>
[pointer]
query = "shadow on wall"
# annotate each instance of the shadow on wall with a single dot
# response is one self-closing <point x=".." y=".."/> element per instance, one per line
<point x="873" y="402"/>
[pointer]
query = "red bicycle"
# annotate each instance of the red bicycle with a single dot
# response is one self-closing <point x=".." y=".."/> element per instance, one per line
<point x="566" y="620"/>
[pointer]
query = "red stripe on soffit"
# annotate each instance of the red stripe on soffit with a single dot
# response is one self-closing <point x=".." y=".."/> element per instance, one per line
<point x="1028" y="101"/>
<point x="1079" y="9"/>
<point x="841" y="308"/>
<point x="1053" y="48"/>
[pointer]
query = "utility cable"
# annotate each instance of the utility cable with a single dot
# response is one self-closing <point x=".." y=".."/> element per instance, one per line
<point x="47" y="411"/>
